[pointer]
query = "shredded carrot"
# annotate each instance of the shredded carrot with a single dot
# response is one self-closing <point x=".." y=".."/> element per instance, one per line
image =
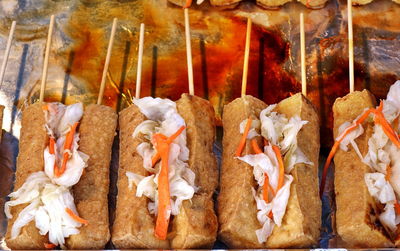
<point x="52" y="143"/>
<point x="187" y="4"/>
<point x="270" y="215"/>
<point x="281" y="167"/>
<point x="242" y="142"/>
<point x="175" y="135"/>
<point x="387" y="129"/>
<point x="67" y="147"/>
<point x="379" y="118"/>
<point x="162" y="145"/>
<point x="156" y="157"/>
<point x="336" y="145"/>
<point x="76" y="217"/>
<point x="255" y="146"/>
<point x="171" y="138"/>
<point x="45" y="107"/>
<point x="49" y="245"/>
<point x="266" y="188"/>
<point x="164" y="206"/>
<point x="397" y="207"/>
<point x="388" y="173"/>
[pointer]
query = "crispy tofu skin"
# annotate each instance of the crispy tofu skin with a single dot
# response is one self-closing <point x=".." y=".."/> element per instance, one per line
<point x="199" y="117"/>
<point x="301" y="224"/>
<point x="33" y="141"/>
<point x="134" y="225"/>
<point x="97" y="131"/>
<point x="356" y="211"/>
<point x="237" y="208"/>
<point x="1" y="121"/>
<point x="196" y="225"/>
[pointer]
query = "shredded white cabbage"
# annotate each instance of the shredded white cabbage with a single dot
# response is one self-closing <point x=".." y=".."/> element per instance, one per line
<point x="49" y="196"/>
<point x="277" y="206"/>
<point x="281" y="132"/>
<point x="255" y="124"/>
<point x="163" y="118"/>
<point x="382" y="154"/>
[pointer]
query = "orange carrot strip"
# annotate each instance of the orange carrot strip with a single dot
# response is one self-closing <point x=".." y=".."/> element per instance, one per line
<point x="270" y="215"/>
<point x="336" y="145"/>
<point x="255" y="146"/>
<point x="388" y="172"/>
<point x="49" y="245"/>
<point x="266" y="188"/>
<point x="76" y="217"/>
<point x="387" y="128"/>
<point x="171" y="138"/>
<point x="187" y="4"/>
<point x="45" y="107"/>
<point x="242" y="142"/>
<point x="175" y="135"/>
<point x="281" y="167"/>
<point x="52" y="143"/>
<point x="67" y="146"/>
<point x="156" y="157"/>
<point x="397" y="207"/>
<point x="164" y="207"/>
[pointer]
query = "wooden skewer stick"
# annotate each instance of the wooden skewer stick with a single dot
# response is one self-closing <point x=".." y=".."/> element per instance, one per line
<point x="189" y="52"/>
<point x="303" y="56"/>
<point x="351" y="51"/>
<point x="106" y="64"/>
<point x="7" y="52"/>
<point x="46" y="59"/>
<point x="140" y="59"/>
<point x="246" y="58"/>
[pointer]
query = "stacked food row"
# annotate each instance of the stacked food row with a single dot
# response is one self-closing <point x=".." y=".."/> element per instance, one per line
<point x="168" y="174"/>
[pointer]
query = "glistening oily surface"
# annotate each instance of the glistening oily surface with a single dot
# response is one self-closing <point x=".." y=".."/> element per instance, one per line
<point x="81" y="36"/>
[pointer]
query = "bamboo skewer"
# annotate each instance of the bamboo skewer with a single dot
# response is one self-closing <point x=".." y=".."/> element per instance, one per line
<point x="7" y="52"/>
<point x="351" y="51"/>
<point x="140" y="59"/>
<point x="246" y="58"/>
<point x="46" y="59"/>
<point x="303" y="56"/>
<point x="189" y="52"/>
<point x="106" y="64"/>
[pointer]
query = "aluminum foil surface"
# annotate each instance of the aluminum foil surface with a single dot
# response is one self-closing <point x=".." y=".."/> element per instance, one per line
<point x="80" y="41"/>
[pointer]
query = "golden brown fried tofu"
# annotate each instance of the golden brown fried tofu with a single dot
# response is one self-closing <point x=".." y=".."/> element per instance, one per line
<point x="357" y="213"/>
<point x="97" y="131"/>
<point x="237" y="207"/>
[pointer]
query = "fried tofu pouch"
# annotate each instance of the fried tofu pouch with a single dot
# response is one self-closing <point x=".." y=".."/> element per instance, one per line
<point x="357" y="213"/>
<point x="196" y="225"/>
<point x="33" y="141"/>
<point x="236" y="206"/>
<point x="134" y="225"/>
<point x="97" y="131"/>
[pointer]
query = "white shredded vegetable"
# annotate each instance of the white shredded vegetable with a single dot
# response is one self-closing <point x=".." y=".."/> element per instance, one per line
<point x="382" y="154"/>
<point x="280" y="132"/>
<point x="163" y="118"/>
<point x="49" y="196"/>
